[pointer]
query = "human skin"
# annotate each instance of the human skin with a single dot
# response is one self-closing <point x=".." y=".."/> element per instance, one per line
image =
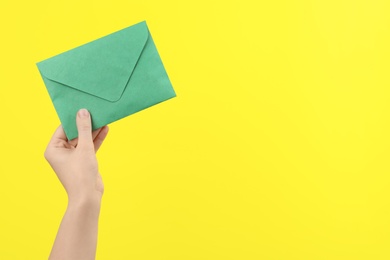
<point x="76" y="167"/>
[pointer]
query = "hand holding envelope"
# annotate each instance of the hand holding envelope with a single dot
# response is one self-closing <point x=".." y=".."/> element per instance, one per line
<point x="113" y="77"/>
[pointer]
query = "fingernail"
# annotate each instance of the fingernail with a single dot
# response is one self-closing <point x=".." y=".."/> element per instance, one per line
<point x="83" y="113"/>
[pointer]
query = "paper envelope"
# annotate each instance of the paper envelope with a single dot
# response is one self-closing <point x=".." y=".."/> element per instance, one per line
<point x="113" y="77"/>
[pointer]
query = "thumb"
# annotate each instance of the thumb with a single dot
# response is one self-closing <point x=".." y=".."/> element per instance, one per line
<point x="84" y="127"/>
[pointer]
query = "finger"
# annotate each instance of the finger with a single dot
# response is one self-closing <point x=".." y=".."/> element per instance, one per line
<point x="100" y="138"/>
<point x="96" y="133"/>
<point x="84" y="127"/>
<point x="55" y="141"/>
<point x="59" y="134"/>
<point x="74" y="141"/>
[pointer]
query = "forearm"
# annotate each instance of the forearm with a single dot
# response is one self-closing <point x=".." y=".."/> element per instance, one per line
<point x="77" y="235"/>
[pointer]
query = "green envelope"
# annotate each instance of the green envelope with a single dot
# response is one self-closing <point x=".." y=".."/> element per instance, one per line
<point x="113" y="77"/>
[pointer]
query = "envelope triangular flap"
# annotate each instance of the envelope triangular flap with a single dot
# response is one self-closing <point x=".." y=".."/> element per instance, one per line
<point x="102" y="67"/>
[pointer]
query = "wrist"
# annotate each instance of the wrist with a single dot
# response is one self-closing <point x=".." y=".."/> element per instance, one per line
<point x="85" y="202"/>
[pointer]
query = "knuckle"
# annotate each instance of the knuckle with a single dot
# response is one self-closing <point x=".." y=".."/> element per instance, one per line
<point x="46" y="154"/>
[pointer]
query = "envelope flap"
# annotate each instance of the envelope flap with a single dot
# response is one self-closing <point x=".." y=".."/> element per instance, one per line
<point x="102" y="67"/>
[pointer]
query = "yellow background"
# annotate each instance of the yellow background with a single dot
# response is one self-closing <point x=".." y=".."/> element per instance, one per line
<point x="276" y="147"/>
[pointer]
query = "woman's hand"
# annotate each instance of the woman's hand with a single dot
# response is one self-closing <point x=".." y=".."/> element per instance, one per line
<point x="75" y="162"/>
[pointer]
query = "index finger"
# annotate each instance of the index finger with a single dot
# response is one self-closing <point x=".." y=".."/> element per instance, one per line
<point x="59" y="134"/>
